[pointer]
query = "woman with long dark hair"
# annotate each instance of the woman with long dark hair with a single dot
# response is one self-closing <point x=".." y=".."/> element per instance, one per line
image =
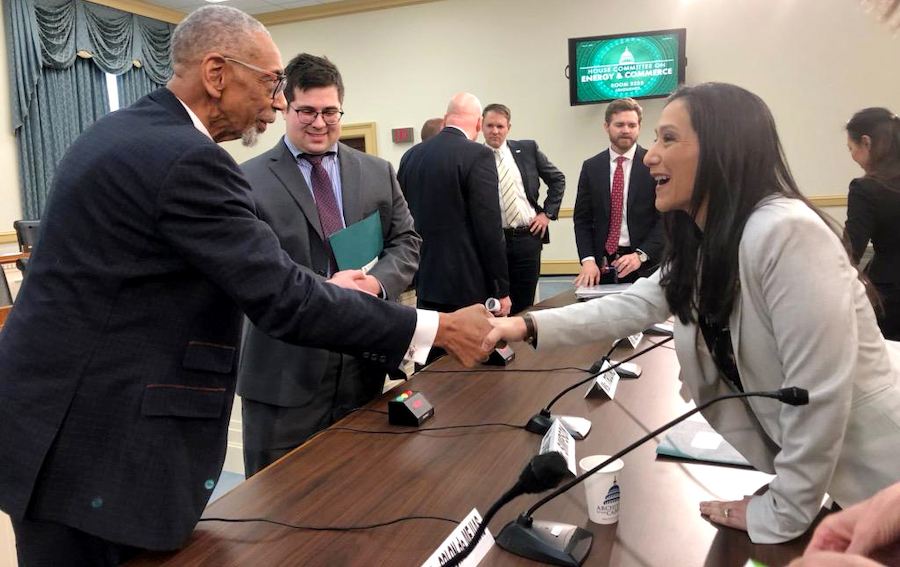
<point x="873" y="207"/>
<point x="765" y="297"/>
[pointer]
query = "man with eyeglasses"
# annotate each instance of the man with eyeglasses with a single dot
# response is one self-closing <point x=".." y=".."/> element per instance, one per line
<point x="307" y="187"/>
<point x="120" y="357"/>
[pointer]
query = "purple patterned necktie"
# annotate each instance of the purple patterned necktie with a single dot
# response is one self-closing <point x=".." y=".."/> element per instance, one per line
<point x="323" y="191"/>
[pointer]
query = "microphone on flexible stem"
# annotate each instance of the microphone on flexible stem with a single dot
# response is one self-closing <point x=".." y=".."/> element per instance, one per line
<point x="540" y="422"/>
<point x="542" y="472"/>
<point x="503" y="355"/>
<point x="568" y="545"/>
<point x="598" y="366"/>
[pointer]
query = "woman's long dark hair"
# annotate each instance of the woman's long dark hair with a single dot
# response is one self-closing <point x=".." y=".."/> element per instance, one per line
<point x="883" y="129"/>
<point x="741" y="162"/>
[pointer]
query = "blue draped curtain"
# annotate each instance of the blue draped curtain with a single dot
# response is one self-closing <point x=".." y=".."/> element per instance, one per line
<point x="55" y="94"/>
<point x="65" y="103"/>
<point x="133" y="85"/>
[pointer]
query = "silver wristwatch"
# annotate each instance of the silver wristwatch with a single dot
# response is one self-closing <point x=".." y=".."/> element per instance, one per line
<point x="642" y="256"/>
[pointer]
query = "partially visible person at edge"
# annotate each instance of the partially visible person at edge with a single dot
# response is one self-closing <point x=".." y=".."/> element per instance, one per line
<point x="873" y="208"/>
<point x="765" y="297"/>
<point x="119" y="359"/>
<point x="864" y="535"/>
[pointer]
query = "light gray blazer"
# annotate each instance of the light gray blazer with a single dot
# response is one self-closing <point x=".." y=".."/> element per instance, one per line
<point x="802" y="319"/>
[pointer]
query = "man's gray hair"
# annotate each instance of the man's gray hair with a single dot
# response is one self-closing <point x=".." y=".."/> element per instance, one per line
<point x="213" y="28"/>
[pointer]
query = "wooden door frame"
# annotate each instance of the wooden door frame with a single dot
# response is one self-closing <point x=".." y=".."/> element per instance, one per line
<point x="364" y="130"/>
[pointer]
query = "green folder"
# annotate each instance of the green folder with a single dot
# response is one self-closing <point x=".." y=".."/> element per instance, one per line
<point x="358" y="246"/>
<point x="694" y="440"/>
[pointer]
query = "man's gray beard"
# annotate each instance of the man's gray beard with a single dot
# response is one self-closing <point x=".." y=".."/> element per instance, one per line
<point x="250" y="136"/>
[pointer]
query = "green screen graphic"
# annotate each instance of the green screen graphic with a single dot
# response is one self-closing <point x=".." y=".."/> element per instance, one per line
<point x="642" y="66"/>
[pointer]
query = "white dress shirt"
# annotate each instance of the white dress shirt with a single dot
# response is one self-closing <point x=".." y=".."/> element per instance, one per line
<point x="526" y="211"/>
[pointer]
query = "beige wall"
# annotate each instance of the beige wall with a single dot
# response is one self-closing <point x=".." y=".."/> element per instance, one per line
<point x="814" y="65"/>
<point x="10" y="200"/>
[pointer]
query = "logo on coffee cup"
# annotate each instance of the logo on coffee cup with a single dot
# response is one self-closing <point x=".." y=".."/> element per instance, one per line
<point x="610" y="505"/>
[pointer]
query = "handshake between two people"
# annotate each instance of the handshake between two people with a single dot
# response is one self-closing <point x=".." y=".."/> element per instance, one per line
<point x="469" y="334"/>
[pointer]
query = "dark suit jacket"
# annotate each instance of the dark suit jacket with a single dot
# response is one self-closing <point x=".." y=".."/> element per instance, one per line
<point x="451" y="185"/>
<point x="534" y="166"/>
<point x="873" y="211"/>
<point x="592" y="203"/>
<point x="119" y="357"/>
<point x="282" y="374"/>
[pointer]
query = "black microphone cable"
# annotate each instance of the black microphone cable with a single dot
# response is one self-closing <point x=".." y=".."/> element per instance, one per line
<point x="330" y="528"/>
<point x="474" y="370"/>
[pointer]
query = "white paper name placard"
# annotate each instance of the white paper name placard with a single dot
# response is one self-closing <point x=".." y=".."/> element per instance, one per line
<point x="635" y="339"/>
<point x="605" y="383"/>
<point x="559" y="440"/>
<point x="459" y="539"/>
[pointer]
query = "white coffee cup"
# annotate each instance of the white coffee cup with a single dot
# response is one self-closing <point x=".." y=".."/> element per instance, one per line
<point x="601" y="489"/>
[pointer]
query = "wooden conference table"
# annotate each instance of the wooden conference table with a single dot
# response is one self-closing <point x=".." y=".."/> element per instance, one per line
<point x="346" y="478"/>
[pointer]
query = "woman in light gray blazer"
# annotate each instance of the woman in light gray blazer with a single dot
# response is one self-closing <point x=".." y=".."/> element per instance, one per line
<point x="765" y="297"/>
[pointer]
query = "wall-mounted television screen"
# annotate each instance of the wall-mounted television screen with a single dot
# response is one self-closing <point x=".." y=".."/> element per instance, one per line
<point x="636" y="65"/>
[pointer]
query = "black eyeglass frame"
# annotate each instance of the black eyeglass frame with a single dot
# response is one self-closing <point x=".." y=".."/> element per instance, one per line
<point x="304" y="112"/>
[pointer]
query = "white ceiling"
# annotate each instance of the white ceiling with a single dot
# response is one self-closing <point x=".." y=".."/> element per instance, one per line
<point x="249" y="6"/>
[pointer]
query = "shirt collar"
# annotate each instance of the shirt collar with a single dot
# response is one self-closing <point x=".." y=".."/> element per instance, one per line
<point x="196" y="120"/>
<point x="297" y="153"/>
<point x="629" y="155"/>
<point x="458" y="128"/>
<point x="504" y="149"/>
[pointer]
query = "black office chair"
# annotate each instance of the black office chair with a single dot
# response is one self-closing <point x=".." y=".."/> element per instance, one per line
<point x="6" y="297"/>
<point x="27" y="232"/>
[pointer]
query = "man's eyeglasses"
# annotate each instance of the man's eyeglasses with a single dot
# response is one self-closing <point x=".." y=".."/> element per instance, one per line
<point x="308" y="115"/>
<point x="279" y="78"/>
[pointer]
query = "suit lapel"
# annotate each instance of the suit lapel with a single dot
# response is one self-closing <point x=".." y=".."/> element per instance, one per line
<point x="517" y="155"/>
<point x="604" y="179"/>
<point x="285" y="168"/>
<point x="351" y="186"/>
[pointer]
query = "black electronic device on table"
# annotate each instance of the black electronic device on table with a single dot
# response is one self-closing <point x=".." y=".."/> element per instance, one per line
<point x="409" y="408"/>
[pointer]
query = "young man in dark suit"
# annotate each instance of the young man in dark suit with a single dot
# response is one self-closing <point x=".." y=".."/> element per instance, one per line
<point x="120" y="355"/>
<point x="450" y="183"/>
<point x="289" y="392"/>
<point x="616" y="221"/>
<point x="520" y="167"/>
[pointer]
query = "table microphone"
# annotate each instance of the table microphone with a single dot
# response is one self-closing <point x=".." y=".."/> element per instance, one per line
<point x="540" y="422"/>
<point x="568" y="545"/>
<point x="542" y="472"/>
<point x="503" y="355"/>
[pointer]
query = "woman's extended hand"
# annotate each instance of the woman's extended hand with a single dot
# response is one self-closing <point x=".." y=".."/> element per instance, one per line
<point x="732" y="514"/>
<point x="505" y="329"/>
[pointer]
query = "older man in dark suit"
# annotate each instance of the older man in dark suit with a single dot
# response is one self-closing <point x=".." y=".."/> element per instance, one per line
<point x="450" y="183"/>
<point x="289" y="392"/>
<point x="521" y="166"/>
<point x="119" y="356"/>
<point x="616" y="222"/>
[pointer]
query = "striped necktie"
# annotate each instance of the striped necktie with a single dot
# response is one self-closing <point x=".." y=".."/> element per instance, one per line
<point x="508" y="192"/>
